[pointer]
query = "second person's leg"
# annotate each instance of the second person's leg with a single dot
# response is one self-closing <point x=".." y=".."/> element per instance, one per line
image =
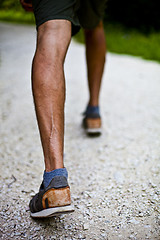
<point x="95" y="56"/>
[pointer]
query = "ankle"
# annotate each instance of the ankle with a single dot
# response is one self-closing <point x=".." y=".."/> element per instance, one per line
<point x="93" y="103"/>
<point x="50" y="166"/>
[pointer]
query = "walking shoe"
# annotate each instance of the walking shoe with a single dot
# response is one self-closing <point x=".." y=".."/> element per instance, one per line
<point x="53" y="200"/>
<point x="92" y="121"/>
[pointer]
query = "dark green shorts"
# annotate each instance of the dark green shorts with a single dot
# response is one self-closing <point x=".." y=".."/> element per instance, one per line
<point x="81" y="13"/>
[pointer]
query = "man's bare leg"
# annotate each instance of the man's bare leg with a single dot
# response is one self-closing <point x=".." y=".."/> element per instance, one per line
<point x="95" y="55"/>
<point x="48" y="85"/>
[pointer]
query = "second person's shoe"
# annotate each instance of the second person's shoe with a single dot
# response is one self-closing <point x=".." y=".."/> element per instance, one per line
<point x="92" y="121"/>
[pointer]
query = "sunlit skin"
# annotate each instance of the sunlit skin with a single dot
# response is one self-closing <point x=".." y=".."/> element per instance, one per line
<point x="48" y="82"/>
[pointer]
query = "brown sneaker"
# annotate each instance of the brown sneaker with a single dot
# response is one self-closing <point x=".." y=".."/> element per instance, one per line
<point x="53" y="200"/>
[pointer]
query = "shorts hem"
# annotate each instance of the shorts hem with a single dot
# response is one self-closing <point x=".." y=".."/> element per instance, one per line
<point x="75" y="26"/>
<point x="94" y="25"/>
<point x="38" y="23"/>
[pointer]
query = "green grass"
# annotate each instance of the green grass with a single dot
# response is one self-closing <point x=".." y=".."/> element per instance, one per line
<point x="119" y="40"/>
<point x="17" y="16"/>
<point x="129" y="41"/>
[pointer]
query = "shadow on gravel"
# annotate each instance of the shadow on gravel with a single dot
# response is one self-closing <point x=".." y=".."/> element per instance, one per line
<point x="95" y="135"/>
<point x="54" y="221"/>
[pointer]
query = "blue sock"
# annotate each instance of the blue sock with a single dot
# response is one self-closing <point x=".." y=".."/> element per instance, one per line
<point x="92" y="110"/>
<point x="48" y="176"/>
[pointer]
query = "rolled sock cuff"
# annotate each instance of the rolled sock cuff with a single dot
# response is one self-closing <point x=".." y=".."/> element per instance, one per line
<point x="48" y="176"/>
<point x="92" y="109"/>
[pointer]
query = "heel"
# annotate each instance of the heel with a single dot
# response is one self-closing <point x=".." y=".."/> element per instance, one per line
<point x="56" y="198"/>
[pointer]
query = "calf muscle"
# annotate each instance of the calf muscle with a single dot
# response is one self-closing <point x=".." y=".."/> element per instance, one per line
<point x="48" y="85"/>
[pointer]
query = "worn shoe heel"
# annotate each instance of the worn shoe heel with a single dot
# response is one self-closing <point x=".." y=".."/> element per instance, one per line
<point x="52" y="201"/>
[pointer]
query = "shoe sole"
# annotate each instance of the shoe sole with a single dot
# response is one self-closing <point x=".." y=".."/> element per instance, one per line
<point x="93" y="131"/>
<point x="51" y="212"/>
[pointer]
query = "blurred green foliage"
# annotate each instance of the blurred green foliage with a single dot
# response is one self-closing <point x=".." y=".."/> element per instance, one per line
<point x="11" y="10"/>
<point x="10" y="4"/>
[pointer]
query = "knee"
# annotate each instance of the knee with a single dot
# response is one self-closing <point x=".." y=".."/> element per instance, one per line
<point x="53" y="39"/>
<point x="95" y="36"/>
<point x="99" y="27"/>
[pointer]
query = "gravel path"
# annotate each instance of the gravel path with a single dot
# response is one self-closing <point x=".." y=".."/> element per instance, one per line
<point x="114" y="179"/>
